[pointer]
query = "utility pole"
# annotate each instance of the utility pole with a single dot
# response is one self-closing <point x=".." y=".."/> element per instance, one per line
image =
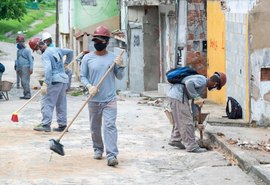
<point x="57" y="25"/>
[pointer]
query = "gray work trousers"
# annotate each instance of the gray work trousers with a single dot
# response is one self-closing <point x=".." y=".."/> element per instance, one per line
<point x="106" y="111"/>
<point x="69" y="73"/>
<point x="184" y="129"/>
<point x="55" y="98"/>
<point x="25" y="81"/>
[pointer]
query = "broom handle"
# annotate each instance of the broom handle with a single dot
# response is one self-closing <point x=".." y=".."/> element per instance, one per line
<point x="200" y="122"/>
<point x="75" y="59"/>
<point x="88" y="99"/>
<point x="28" y="101"/>
<point x="40" y="90"/>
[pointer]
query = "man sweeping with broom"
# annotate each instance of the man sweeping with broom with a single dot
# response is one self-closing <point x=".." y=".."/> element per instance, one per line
<point x="54" y="86"/>
<point x="103" y="104"/>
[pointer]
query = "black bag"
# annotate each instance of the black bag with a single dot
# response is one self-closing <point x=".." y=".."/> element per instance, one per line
<point x="176" y="75"/>
<point x="233" y="109"/>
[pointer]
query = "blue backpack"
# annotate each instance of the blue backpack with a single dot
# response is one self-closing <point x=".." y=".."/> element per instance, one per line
<point x="176" y="75"/>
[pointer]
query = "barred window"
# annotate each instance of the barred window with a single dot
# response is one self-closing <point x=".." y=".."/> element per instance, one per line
<point x="88" y="2"/>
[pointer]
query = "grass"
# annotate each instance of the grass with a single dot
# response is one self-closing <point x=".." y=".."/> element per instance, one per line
<point x="13" y="26"/>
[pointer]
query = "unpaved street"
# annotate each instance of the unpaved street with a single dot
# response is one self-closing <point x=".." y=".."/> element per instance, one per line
<point x="145" y="157"/>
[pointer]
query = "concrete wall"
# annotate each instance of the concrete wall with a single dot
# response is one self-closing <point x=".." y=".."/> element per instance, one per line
<point x="216" y="47"/>
<point x="236" y="59"/>
<point x="143" y="36"/>
<point x="259" y="28"/>
<point x="151" y="48"/>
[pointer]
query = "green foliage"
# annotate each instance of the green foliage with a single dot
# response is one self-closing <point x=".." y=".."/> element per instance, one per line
<point x="12" y="9"/>
<point x="14" y="26"/>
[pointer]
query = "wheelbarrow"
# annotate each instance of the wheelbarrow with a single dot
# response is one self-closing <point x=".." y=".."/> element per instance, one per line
<point x="5" y="87"/>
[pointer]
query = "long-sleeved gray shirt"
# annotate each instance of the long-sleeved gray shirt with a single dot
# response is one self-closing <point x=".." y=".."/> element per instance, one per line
<point x="93" y="68"/>
<point x="53" y="64"/>
<point x="195" y="87"/>
<point x="24" y="59"/>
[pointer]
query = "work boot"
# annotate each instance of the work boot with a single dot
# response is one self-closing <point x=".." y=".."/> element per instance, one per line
<point x="198" y="150"/>
<point x="60" y="128"/>
<point x="177" y="144"/>
<point x="98" y="156"/>
<point x="112" y="162"/>
<point x="40" y="127"/>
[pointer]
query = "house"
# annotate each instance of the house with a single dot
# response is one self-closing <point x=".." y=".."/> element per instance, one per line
<point x="239" y="45"/>
<point x="163" y="34"/>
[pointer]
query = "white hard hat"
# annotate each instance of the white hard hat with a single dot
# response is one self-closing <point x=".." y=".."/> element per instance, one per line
<point x="46" y="35"/>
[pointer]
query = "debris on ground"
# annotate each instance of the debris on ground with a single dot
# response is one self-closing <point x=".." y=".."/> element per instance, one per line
<point x="250" y="145"/>
<point x="220" y="134"/>
<point x="152" y="102"/>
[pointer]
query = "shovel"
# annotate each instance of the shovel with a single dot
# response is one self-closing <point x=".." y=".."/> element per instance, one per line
<point x="55" y="144"/>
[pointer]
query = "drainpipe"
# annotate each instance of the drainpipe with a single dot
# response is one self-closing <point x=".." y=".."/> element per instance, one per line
<point x="176" y="31"/>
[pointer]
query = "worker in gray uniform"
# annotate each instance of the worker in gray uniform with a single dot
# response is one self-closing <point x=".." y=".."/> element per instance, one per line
<point x="193" y="87"/>
<point x="54" y="86"/>
<point x="102" y="107"/>
<point x="47" y="39"/>
<point x="24" y="66"/>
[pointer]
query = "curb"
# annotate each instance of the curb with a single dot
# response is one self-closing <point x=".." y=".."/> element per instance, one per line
<point x="248" y="164"/>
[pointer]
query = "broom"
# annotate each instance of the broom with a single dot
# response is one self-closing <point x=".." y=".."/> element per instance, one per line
<point x="55" y="144"/>
<point x="15" y="117"/>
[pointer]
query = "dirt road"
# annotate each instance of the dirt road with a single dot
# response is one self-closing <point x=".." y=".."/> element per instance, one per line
<point x="145" y="157"/>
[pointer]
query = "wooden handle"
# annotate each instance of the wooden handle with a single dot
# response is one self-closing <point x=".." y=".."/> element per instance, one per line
<point x="200" y="122"/>
<point x="88" y="99"/>
<point x="29" y="101"/>
<point x="75" y="59"/>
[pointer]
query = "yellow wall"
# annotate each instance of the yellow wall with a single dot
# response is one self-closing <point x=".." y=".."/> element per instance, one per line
<point x="216" y="47"/>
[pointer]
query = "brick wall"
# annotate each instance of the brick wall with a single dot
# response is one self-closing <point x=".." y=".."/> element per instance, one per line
<point x="196" y="21"/>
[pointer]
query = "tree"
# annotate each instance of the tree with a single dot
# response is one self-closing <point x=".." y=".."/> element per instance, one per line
<point x="12" y="9"/>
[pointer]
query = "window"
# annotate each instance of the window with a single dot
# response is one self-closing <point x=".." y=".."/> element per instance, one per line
<point x="88" y="2"/>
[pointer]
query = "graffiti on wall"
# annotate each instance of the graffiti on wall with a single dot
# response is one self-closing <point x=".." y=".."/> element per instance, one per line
<point x="213" y="44"/>
<point x="136" y="41"/>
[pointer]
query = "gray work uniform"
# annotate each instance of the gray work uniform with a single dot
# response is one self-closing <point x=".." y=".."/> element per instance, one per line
<point x="67" y="71"/>
<point x="180" y="95"/>
<point x="24" y="64"/>
<point x="103" y="105"/>
<point x="57" y="80"/>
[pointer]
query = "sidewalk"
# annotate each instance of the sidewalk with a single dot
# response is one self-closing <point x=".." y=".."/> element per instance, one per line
<point x="249" y="147"/>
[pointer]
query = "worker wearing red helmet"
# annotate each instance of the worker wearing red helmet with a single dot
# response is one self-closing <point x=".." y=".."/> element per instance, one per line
<point x="24" y="66"/>
<point x="192" y="88"/>
<point x="54" y="86"/>
<point x="102" y="107"/>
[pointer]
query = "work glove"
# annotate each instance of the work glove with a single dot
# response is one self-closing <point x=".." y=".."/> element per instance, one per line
<point x="44" y="88"/>
<point x="119" y="61"/>
<point x="30" y="71"/>
<point x="199" y="101"/>
<point x="92" y="90"/>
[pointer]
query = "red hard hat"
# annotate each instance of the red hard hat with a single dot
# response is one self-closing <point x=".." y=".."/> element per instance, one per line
<point x="101" y="31"/>
<point x="222" y="78"/>
<point x="33" y="43"/>
<point x="20" y="38"/>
